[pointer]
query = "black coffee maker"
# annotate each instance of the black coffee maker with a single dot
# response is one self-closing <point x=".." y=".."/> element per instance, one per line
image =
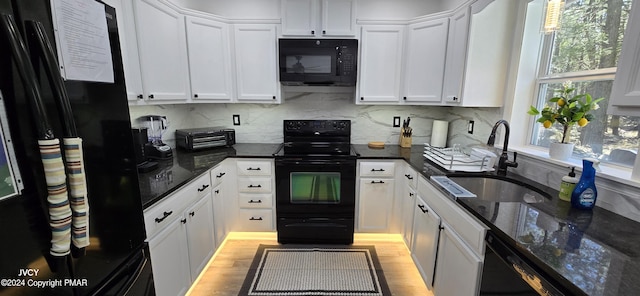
<point x="140" y="143"/>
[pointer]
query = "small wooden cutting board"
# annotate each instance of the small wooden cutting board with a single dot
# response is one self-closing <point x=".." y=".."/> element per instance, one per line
<point x="376" y="145"/>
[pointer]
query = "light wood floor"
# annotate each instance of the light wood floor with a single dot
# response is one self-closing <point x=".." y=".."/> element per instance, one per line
<point x="226" y="271"/>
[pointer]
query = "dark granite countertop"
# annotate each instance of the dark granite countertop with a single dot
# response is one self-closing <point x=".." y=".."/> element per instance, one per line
<point x="185" y="166"/>
<point x="596" y="252"/>
<point x="591" y="252"/>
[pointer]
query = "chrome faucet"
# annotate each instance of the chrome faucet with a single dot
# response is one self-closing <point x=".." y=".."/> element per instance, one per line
<point x="504" y="162"/>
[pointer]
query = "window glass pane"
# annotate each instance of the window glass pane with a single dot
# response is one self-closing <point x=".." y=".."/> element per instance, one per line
<point x="311" y="187"/>
<point x="590" y="36"/>
<point x="609" y="138"/>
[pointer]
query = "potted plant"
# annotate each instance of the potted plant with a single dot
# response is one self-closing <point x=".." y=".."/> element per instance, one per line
<point x="568" y="111"/>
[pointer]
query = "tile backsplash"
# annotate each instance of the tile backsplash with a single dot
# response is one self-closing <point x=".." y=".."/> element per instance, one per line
<point x="262" y="123"/>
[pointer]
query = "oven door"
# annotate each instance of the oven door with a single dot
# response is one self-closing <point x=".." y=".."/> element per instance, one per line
<point x="315" y="187"/>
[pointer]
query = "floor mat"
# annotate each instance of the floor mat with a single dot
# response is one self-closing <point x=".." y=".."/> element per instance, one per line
<point x="305" y="270"/>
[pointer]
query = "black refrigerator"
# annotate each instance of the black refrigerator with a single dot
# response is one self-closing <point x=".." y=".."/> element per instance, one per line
<point x="116" y="260"/>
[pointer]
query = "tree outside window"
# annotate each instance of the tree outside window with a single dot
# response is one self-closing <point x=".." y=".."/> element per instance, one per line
<point x="586" y="50"/>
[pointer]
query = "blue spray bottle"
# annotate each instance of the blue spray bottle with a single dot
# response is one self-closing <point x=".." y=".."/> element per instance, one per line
<point x="584" y="194"/>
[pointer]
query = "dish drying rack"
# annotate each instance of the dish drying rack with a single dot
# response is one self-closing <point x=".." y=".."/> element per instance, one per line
<point x="454" y="159"/>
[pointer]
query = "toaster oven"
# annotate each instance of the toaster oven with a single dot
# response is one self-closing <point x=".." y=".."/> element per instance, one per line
<point x="206" y="137"/>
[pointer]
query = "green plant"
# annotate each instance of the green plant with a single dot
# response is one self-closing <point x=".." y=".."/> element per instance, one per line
<point x="566" y="110"/>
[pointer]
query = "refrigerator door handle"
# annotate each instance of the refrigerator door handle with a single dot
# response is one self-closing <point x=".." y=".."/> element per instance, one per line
<point x="42" y="46"/>
<point x="20" y="56"/>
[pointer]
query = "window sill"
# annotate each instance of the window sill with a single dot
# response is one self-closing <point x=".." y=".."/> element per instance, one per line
<point x="607" y="171"/>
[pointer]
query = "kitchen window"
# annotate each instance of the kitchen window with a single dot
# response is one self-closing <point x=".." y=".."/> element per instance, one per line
<point x="585" y="51"/>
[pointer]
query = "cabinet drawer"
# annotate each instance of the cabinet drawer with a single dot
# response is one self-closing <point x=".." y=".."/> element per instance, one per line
<point x="217" y="175"/>
<point x="255" y="200"/>
<point x="198" y="187"/>
<point x="377" y="169"/>
<point x="254" y="167"/>
<point x="256" y="219"/>
<point x="463" y="223"/>
<point x="410" y="176"/>
<point x="162" y="214"/>
<point x="254" y="184"/>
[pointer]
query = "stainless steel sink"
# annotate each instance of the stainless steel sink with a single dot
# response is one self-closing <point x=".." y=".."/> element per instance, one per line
<point x="500" y="189"/>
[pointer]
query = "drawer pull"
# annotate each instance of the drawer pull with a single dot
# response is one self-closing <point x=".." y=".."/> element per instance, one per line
<point x="203" y="188"/>
<point x="217" y="191"/>
<point x="409" y="177"/>
<point x="253" y="169"/>
<point x="423" y="209"/>
<point x="411" y="194"/>
<point x="220" y="175"/>
<point x="377" y="182"/>
<point x="377" y="170"/>
<point x="255" y="219"/>
<point x="255" y="201"/>
<point x="192" y="214"/>
<point x="184" y="221"/>
<point x="255" y="186"/>
<point x="164" y="216"/>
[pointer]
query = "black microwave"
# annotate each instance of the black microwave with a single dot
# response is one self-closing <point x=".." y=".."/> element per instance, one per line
<point x="318" y="61"/>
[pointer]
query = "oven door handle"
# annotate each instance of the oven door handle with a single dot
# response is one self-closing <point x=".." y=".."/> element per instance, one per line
<point x="310" y="162"/>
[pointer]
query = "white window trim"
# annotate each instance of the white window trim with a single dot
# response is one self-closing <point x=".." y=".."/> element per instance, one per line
<point x="523" y="90"/>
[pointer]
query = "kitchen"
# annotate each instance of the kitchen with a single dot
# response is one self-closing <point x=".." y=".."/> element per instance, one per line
<point x="371" y="121"/>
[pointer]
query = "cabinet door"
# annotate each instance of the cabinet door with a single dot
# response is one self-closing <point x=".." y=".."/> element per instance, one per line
<point x="170" y="258"/>
<point x="375" y="198"/>
<point x="625" y="95"/>
<point x="408" y="203"/>
<point x="458" y="269"/>
<point x="338" y="18"/>
<point x="209" y="60"/>
<point x="426" y="232"/>
<point x="163" y="51"/>
<point x="200" y="234"/>
<point x="128" y="48"/>
<point x="299" y="17"/>
<point x="381" y="63"/>
<point x="456" y="55"/>
<point x="424" y="67"/>
<point x="256" y="63"/>
<point x="219" y="215"/>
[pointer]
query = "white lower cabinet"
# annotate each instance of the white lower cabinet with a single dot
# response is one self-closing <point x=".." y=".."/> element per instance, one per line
<point x="180" y="235"/>
<point x="426" y="231"/>
<point x="447" y="243"/>
<point x="458" y="269"/>
<point x="255" y="205"/>
<point x="219" y="215"/>
<point x="375" y="203"/>
<point x="170" y="260"/>
<point x="199" y="222"/>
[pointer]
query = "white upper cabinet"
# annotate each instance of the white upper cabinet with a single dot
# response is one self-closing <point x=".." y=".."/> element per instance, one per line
<point x="209" y="60"/>
<point x="162" y="45"/>
<point x="128" y="48"/>
<point x="424" y="62"/>
<point x="625" y="95"/>
<point x="314" y="18"/>
<point x="338" y="18"/>
<point x="478" y="53"/>
<point x="256" y="63"/>
<point x="380" y="64"/>
<point x="299" y="17"/>
<point x="456" y="55"/>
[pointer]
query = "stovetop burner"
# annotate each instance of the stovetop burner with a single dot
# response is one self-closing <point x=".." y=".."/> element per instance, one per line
<point x="318" y="138"/>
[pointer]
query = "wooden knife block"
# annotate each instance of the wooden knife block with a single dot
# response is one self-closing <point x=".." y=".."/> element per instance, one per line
<point x="405" y="142"/>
